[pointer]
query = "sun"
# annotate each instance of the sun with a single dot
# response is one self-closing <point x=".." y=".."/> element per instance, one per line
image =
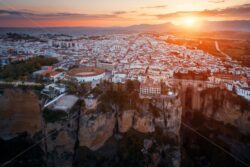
<point x="189" y="21"/>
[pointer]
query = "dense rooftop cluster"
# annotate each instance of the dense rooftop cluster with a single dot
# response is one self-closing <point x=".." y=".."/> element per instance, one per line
<point x="127" y="56"/>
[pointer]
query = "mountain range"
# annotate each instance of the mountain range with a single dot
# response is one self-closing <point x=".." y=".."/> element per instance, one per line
<point x="204" y="26"/>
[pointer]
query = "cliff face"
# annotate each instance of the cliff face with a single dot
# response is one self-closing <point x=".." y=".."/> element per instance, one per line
<point x="95" y="129"/>
<point x="226" y="107"/>
<point x="173" y="121"/>
<point x="20" y="112"/>
<point x="60" y="145"/>
<point x="225" y="111"/>
<point x="218" y="104"/>
<point x="243" y="123"/>
<point x="125" y="120"/>
<point x="20" y="127"/>
<point x="164" y="114"/>
<point x="143" y="122"/>
<point x="221" y="116"/>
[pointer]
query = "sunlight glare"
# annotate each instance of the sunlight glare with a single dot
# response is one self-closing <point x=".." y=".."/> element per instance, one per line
<point x="189" y="21"/>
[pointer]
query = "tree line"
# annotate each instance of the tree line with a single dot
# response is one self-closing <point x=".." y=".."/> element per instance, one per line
<point x="22" y="69"/>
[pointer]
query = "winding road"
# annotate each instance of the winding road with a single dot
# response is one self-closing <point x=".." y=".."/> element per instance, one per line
<point x="218" y="49"/>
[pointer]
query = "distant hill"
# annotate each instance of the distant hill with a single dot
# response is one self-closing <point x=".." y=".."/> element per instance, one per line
<point x="241" y="25"/>
<point x="206" y="26"/>
<point x="151" y="27"/>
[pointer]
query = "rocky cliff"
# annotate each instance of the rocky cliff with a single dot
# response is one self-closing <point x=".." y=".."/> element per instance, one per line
<point x="20" y="127"/>
<point x="143" y="122"/>
<point x="61" y="129"/>
<point x="59" y="146"/>
<point x="223" y="117"/>
<point x="96" y="128"/>
<point x="125" y="120"/>
<point x="163" y="113"/>
<point x="20" y="112"/>
<point x="226" y="107"/>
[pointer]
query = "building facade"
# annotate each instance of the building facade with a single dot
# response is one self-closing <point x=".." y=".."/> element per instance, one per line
<point x="149" y="87"/>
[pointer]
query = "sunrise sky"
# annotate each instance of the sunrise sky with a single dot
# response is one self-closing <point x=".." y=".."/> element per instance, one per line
<point x="104" y="13"/>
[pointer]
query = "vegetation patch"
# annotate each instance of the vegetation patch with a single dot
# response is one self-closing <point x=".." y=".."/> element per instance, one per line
<point x="21" y="69"/>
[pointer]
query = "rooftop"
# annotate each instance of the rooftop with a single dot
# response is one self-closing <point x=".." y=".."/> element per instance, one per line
<point x="230" y="77"/>
<point x="150" y="83"/>
<point x="85" y="72"/>
<point x="64" y="103"/>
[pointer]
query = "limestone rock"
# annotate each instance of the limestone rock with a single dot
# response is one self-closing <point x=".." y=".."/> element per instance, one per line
<point x="143" y="122"/>
<point x="96" y="129"/>
<point x="160" y="120"/>
<point x="125" y="120"/>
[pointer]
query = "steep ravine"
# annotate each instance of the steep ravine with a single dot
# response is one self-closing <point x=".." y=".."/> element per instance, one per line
<point x="150" y="133"/>
<point x="223" y="118"/>
<point x="147" y="123"/>
<point x="63" y="142"/>
<point x="107" y="139"/>
<point x="77" y="136"/>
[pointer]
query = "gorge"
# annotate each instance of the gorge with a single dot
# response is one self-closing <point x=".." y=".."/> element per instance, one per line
<point x="138" y="132"/>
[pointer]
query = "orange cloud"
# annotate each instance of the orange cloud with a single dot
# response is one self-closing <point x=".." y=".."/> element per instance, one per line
<point x="10" y="18"/>
<point x="241" y="12"/>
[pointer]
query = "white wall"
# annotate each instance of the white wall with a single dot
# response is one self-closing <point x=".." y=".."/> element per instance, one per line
<point x="90" y="78"/>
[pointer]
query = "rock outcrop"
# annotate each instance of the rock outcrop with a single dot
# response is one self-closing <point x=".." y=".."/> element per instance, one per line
<point x="226" y="107"/>
<point x="159" y="121"/>
<point x="125" y="120"/>
<point x="143" y="122"/>
<point x="243" y="123"/>
<point x="62" y="132"/>
<point x="173" y="115"/>
<point x="60" y="144"/>
<point x="161" y="155"/>
<point x="20" y="112"/>
<point x="95" y="129"/>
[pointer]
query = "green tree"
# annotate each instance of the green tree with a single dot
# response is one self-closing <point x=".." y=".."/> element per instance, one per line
<point x="20" y="69"/>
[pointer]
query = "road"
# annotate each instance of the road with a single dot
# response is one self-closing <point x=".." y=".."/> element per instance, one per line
<point x="218" y="49"/>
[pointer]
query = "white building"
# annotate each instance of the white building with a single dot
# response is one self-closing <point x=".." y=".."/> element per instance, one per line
<point x="149" y="87"/>
<point x="243" y="91"/>
<point x="86" y="74"/>
<point x="119" y="78"/>
<point x="56" y="76"/>
<point x="53" y="90"/>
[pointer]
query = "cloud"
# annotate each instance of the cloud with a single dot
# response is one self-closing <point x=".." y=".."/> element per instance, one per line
<point x="154" y="7"/>
<point x="235" y="11"/>
<point x="216" y="1"/>
<point x="124" y="12"/>
<point x="11" y="14"/>
<point x="119" y="12"/>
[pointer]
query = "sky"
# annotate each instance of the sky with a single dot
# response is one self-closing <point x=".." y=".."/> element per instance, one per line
<point x="106" y="13"/>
